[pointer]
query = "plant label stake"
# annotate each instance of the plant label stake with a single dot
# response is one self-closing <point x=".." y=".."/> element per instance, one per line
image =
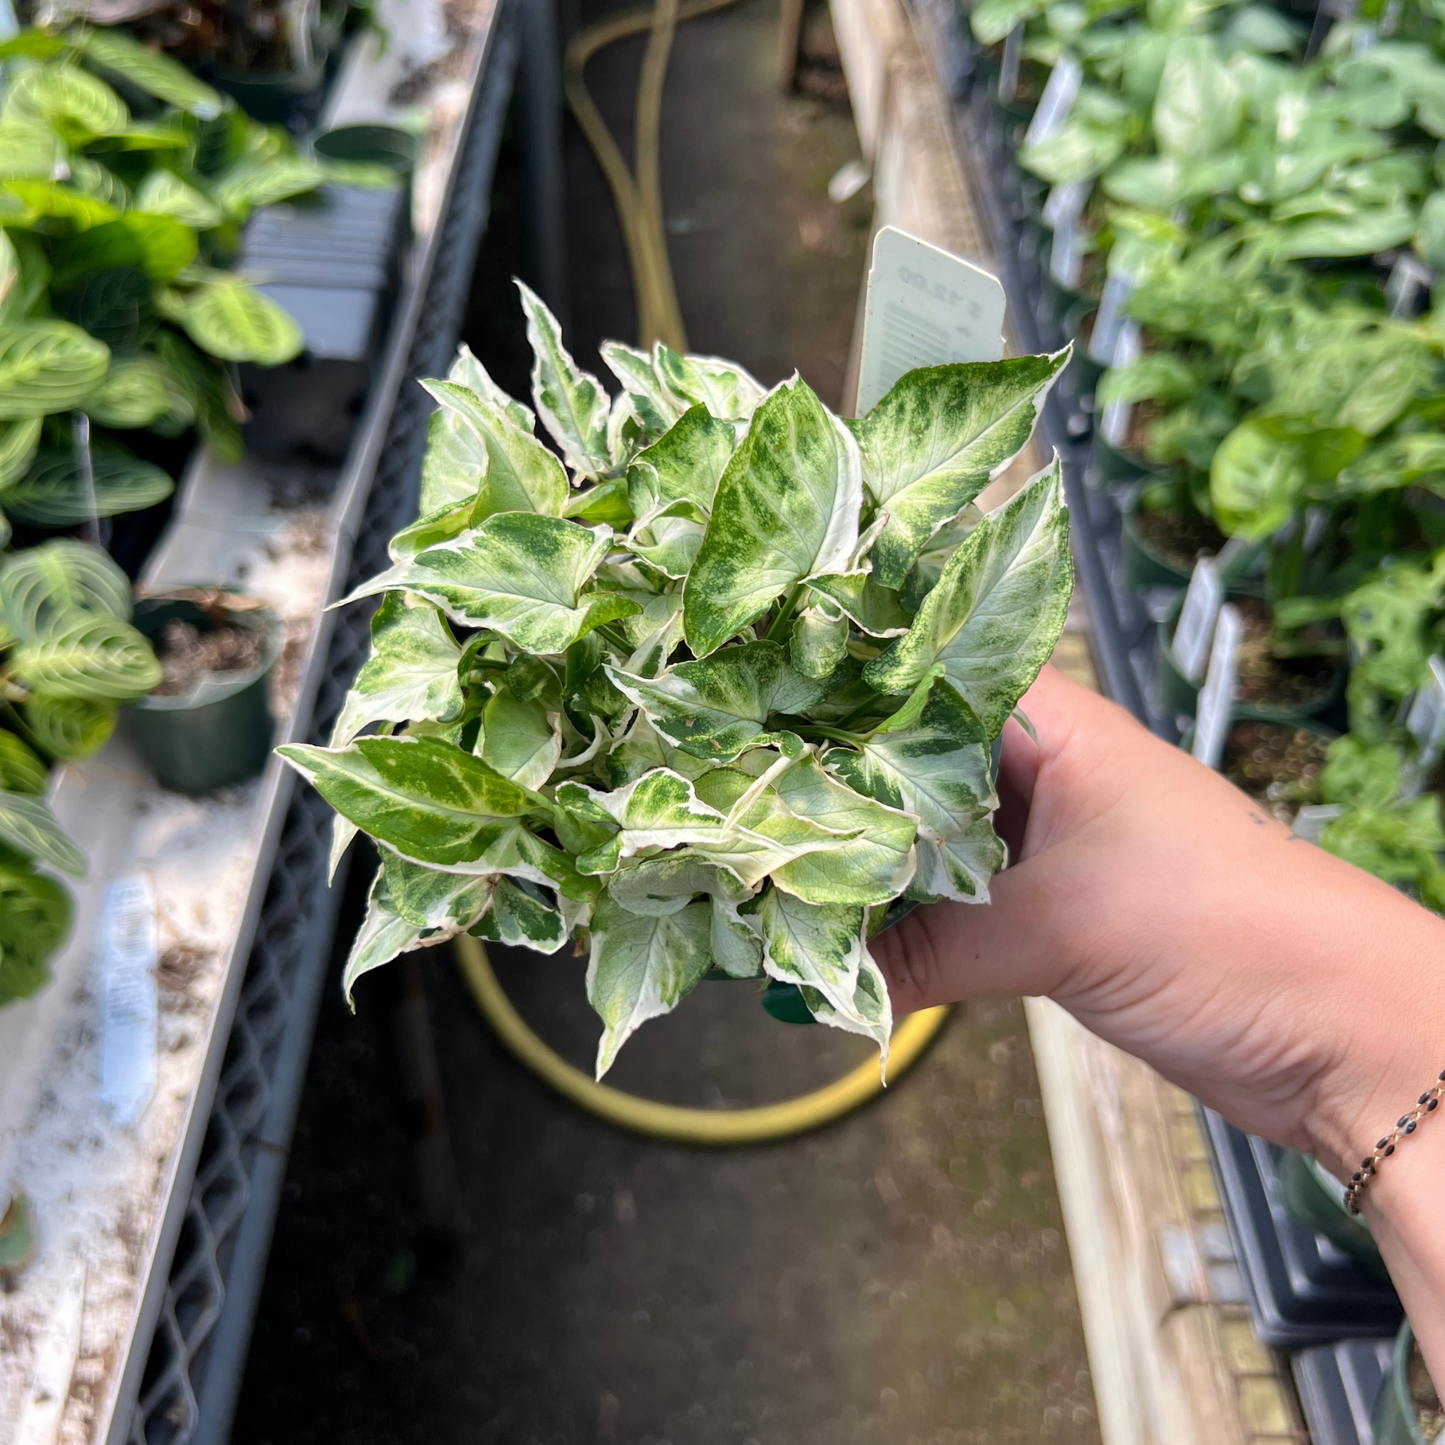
<point x="925" y="307"/>
<point x="1196" y="619"/>
<point x="1008" y="70"/>
<point x="1114" y="423"/>
<point x="1055" y="104"/>
<point x="1426" y="724"/>
<point x="1216" y="697"/>
<point x="1109" y="322"/>
<point x="1311" y="820"/>
<point x="127" y="949"/>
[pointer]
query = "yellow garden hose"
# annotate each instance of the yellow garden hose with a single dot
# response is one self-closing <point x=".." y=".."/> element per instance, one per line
<point x="670" y="1121"/>
<point x="637" y="193"/>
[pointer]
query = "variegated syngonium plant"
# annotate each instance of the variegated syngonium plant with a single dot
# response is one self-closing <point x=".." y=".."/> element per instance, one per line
<point x="714" y="701"/>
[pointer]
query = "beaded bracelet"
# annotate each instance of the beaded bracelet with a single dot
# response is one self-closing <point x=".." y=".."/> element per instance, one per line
<point x="1359" y="1181"/>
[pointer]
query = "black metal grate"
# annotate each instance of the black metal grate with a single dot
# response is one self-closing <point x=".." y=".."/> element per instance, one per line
<point x="242" y="1162"/>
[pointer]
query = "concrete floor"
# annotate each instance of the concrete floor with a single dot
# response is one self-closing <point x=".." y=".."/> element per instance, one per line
<point x="900" y="1277"/>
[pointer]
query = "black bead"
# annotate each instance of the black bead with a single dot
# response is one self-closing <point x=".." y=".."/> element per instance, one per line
<point x="1423" y="1099"/>
<point x="1400" y="1122"/>
<point x="1389" y="1151"/>
<point x="1410" y="1127"/>
<point x="1356" y="1177"/>
<point x="1381" y="1143"/>
<point x="1432" y="1106"/>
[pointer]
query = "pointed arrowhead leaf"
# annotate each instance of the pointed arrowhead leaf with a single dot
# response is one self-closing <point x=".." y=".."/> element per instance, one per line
<point x="652" y="403"/>
<point x="429" y="800"/>
<point x="716" y="707"/>
<point x="936" y="768"/>
<point x="723" y="387"/>
<point x="685" y="465"/>
<point x="938" y="438"/>
<point x="786" y="509"/>
<point x="998" y="608"/>
<point x="383" y="934"/>
<point x="467" y="371"/>
<point x="518" y="573"/>
<point x="411" y="673"/>
<point x="641" y="966"/>
<point x="871" y="862"/>
<point x="522" y="475"/>
<point x="821" y="950"/>
<point x="658" y="810"/>
<point x="521" y="919"/>
<point x="572" y="404"/>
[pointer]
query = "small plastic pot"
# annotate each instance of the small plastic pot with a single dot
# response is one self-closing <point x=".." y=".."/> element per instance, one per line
<point x="219" y="733"/>
<point x="377" y="145"/>
<point x="1112" y="464"/>
<point x="1144" y="567"/>
<point x="273" y="96"/>
<point x="1317" y="1201"/>
<point x="1395" y="1421"/>
<point x="1177" y="694"/>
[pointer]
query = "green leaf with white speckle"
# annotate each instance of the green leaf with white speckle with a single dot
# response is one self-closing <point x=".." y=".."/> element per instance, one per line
<point x="716" y="707"/>
<point x="723" y="387"/>
<point x="411" y="673"/>
<point x="658" y="810"/>
<point x="937" y="768"/>
<point x="519" y="918"/>
<point x="641" y="966"/>
<point x="571" y="402"/>
<point x="938" y="438"/>
<point x="520" y="740"/>
<point x="998" y="608"/>
<point x="786" y="509"/>
<point x="519" y="573"/>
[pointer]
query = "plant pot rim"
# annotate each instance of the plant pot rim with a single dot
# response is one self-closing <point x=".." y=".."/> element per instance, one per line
<point x="263" y="619"/>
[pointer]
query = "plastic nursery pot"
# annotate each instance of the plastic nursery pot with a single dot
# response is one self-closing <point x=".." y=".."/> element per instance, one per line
<point x="1317" y="1201"/>
<point x="1144" y="565"/>
<point x="377" y="145"/>
<point x="1397" y="1419"/>
<point x="1114" y="464"/>
<point x="218" y="732"/>
<point x="273" y="96"/>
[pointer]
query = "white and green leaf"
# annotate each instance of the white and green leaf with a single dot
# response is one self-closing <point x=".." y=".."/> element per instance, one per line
<point x="641" y="966"/>
<point x="716" y="707"/>
<point x="521" y="740"/>
<point x="410" y="675"/>
<point x="997" y="610"/>
<point x="571" y="402"/>
<point x="938" y="438"/>
<point x="786" y="509"/>
<point x="660" y="809"/>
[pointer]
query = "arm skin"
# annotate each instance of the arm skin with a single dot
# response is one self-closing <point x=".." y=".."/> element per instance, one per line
<point x="1297" y="995"/>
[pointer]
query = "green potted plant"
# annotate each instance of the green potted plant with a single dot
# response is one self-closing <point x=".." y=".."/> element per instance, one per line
<point x="718" y="700"/>
<point x="207" y="724"/>
<point x="68" y="658"/>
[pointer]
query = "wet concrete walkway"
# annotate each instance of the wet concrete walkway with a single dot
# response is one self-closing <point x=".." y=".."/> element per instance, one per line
<point x="900" y="1277"/>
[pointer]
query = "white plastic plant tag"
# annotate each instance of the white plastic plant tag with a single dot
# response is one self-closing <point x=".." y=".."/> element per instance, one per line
<point x="1216" y="697"/>
<point x="1114" y="423"/>
<point x="925" y="307"/>
<point x="1408" y="277"/>
<point x="1065" y="201"/>
<point x="1008" y="69"/>
<point x="1056" y="102"/>
<point x="53" y="1355"/>
<point x="1425" y="722"/>
<point x="126" y="946"/>
<point x="1066" y="259"/>
<point x="1109" y="318"/>
<point x="1310" y="821"/>
<point x="1196" y="619"/>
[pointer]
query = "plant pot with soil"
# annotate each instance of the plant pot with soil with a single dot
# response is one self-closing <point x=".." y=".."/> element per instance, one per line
<point x="1274" y="683"/>
<point x="1277" y="764"/>
<point x="1409" y="1410"/>
<point x="719" y="698"/>
<point x="208" y="725"/>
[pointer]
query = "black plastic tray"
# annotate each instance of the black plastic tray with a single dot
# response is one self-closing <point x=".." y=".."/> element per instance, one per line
<point x="1338" y="1387"/>
<point x="1300" y="1289"/>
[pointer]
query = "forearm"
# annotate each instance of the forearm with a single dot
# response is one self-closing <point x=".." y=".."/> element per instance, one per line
<point x="1405" y="1207"/>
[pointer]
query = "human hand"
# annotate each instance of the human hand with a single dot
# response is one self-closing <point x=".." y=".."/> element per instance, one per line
<point x="1300" y="997"/>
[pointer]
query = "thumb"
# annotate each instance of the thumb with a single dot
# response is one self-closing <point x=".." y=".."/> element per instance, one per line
<point x="950" y="951"/>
